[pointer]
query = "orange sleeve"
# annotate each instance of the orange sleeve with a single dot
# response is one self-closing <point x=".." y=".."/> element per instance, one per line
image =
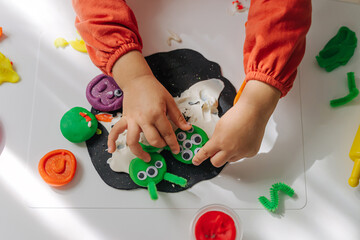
<point x="109" y="29"/>
<point x="275" y="41"/>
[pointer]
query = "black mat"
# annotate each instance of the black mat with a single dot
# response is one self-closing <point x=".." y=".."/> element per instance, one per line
<point x="177" y="70"/>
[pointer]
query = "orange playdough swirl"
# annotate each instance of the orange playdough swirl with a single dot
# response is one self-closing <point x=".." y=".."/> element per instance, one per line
<point x="57" y="167"/>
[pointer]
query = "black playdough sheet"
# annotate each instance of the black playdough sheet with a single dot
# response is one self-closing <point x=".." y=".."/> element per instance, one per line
<point x="177" y="70"/>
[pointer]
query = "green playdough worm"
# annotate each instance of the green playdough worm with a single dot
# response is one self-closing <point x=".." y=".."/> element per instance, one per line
<point x="273" y="203"/>
<point x="353" y="92"/>
<point x="338" y="50"/>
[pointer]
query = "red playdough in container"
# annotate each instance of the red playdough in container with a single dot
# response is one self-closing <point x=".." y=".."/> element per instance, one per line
<point x="216" y="222"/>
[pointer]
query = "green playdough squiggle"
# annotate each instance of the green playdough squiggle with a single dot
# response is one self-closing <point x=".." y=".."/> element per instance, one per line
<point x="353" y="92"/>
<point x="273" y="203"/>
<point x="338" y="50"/>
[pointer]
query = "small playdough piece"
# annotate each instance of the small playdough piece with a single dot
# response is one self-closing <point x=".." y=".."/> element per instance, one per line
<point x="215" y="225"/>
<point x="104" y="94"/>
<point x="353" y="92"/>
<point x="78" y="45"/>
<point x="173" y="36"/>
<point x="78" y="125"/>
<point x="190" y="143"/>
<point x="273" y="204"/>
<point x="60" y="42"/>
<point x="7" y="73"/>
<point x="104" y="117"/>
<point x="338" y="50"/>
<point x="355" y="156"/>
<point x="57" y="167"/>
<point x="149" y="174"/>
<point x="1" y="31"/>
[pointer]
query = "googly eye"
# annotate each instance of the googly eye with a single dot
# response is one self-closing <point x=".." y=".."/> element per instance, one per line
<point x="141" y="175"/>
<point x="196" y="150"/>
<point x="187" y="155"/>
<point x="158" y="164"/>
<point x="181" y="148"/>
<point x="187" y="144"/>
<point x="191" y="130"/>
<point x="196" y="139"/>
<point x="152" y="171"/>
<point x="118" y="93"/>
<point x="181" y="136"/>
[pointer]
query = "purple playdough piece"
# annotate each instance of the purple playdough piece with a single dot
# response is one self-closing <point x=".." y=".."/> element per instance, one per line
<point x="104" y="94"/>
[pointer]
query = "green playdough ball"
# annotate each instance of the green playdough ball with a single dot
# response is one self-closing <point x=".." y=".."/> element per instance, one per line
<point x="190" y="143"/>
<point x="78" y="125"/>
<point x="142" y="172"/>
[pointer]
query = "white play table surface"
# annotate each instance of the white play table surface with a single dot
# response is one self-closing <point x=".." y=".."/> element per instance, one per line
<point x="304" y="127"/>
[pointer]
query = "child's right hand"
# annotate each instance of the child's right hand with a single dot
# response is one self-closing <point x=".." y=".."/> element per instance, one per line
<point x="145" y="108"/>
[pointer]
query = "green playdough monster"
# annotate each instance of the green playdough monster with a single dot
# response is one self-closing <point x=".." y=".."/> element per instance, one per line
<point x="190" y="143"/>
<point x="78" y="125"/>
<point x="149" y="174"/>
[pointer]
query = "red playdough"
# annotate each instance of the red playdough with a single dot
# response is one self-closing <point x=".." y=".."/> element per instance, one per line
<point x="215" y="225"/>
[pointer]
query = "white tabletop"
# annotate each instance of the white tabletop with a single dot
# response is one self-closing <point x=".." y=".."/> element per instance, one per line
<point x="326" y="207"/>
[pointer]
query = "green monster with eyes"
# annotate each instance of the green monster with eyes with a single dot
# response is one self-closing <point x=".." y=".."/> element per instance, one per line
<point x="149" y="174"/>
<point x="190" y="143"/>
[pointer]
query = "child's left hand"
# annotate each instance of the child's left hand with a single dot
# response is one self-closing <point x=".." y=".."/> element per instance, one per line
<point x="240" y="130"/>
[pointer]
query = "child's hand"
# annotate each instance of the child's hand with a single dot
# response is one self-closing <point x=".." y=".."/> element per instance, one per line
<point x="145" y="108"/>
<point x="240" y="130"/>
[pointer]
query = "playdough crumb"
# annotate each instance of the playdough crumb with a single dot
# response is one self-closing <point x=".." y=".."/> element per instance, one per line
<point x="60" y="42"/>
<point x="173" y="36"/>
<point x="1" y="31"/>
<point x="78" y="45"/>
<point x="7" y="73"/>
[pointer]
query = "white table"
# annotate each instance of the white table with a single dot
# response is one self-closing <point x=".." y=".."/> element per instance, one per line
<point x="330" y="210"/>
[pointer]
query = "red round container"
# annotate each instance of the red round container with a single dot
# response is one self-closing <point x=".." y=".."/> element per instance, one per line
<point x="216" y="222"/>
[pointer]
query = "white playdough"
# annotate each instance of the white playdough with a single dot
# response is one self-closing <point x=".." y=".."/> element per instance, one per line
<point x="199" y="103"/>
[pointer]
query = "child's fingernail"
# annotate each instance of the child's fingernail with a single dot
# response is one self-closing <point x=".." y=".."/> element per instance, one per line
<point x="110" y="150"/>
<point x="196" y="163"/>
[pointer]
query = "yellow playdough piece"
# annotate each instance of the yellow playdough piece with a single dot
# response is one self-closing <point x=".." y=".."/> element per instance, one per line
<point x="355" y="156"/>
<point x="7" y="73"/>
<point x="60" y="42"/>
<point x="78" y="45"/>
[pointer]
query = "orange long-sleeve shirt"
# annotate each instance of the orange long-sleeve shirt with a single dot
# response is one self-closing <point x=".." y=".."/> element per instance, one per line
<point x="273" y="49"/>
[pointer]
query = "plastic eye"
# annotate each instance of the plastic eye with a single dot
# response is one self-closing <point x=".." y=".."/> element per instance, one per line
<point x="181" y="148"/>
<point x="152" y="171"/>
<point x="191" y="130"/>
<point x="118" y="93"/>
<point x="196" y="150"/>
<point x="187" y="155"/>
<point x="187" y="144"/>
<point x="141" y="175"/>
<point x="196" y="139"/>
<point x="158" y="164"/>
<point x="181" y="136"/>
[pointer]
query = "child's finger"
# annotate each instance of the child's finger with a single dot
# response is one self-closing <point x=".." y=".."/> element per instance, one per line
<point x="219" y="159"/>
<point x="118" y="128"/>
<point x="165" y="129"/>
<point x="132" y="139"/>
<point x="153" y="136"/>
<point x="207" y="151"/>
<point x="176" y="116"/>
